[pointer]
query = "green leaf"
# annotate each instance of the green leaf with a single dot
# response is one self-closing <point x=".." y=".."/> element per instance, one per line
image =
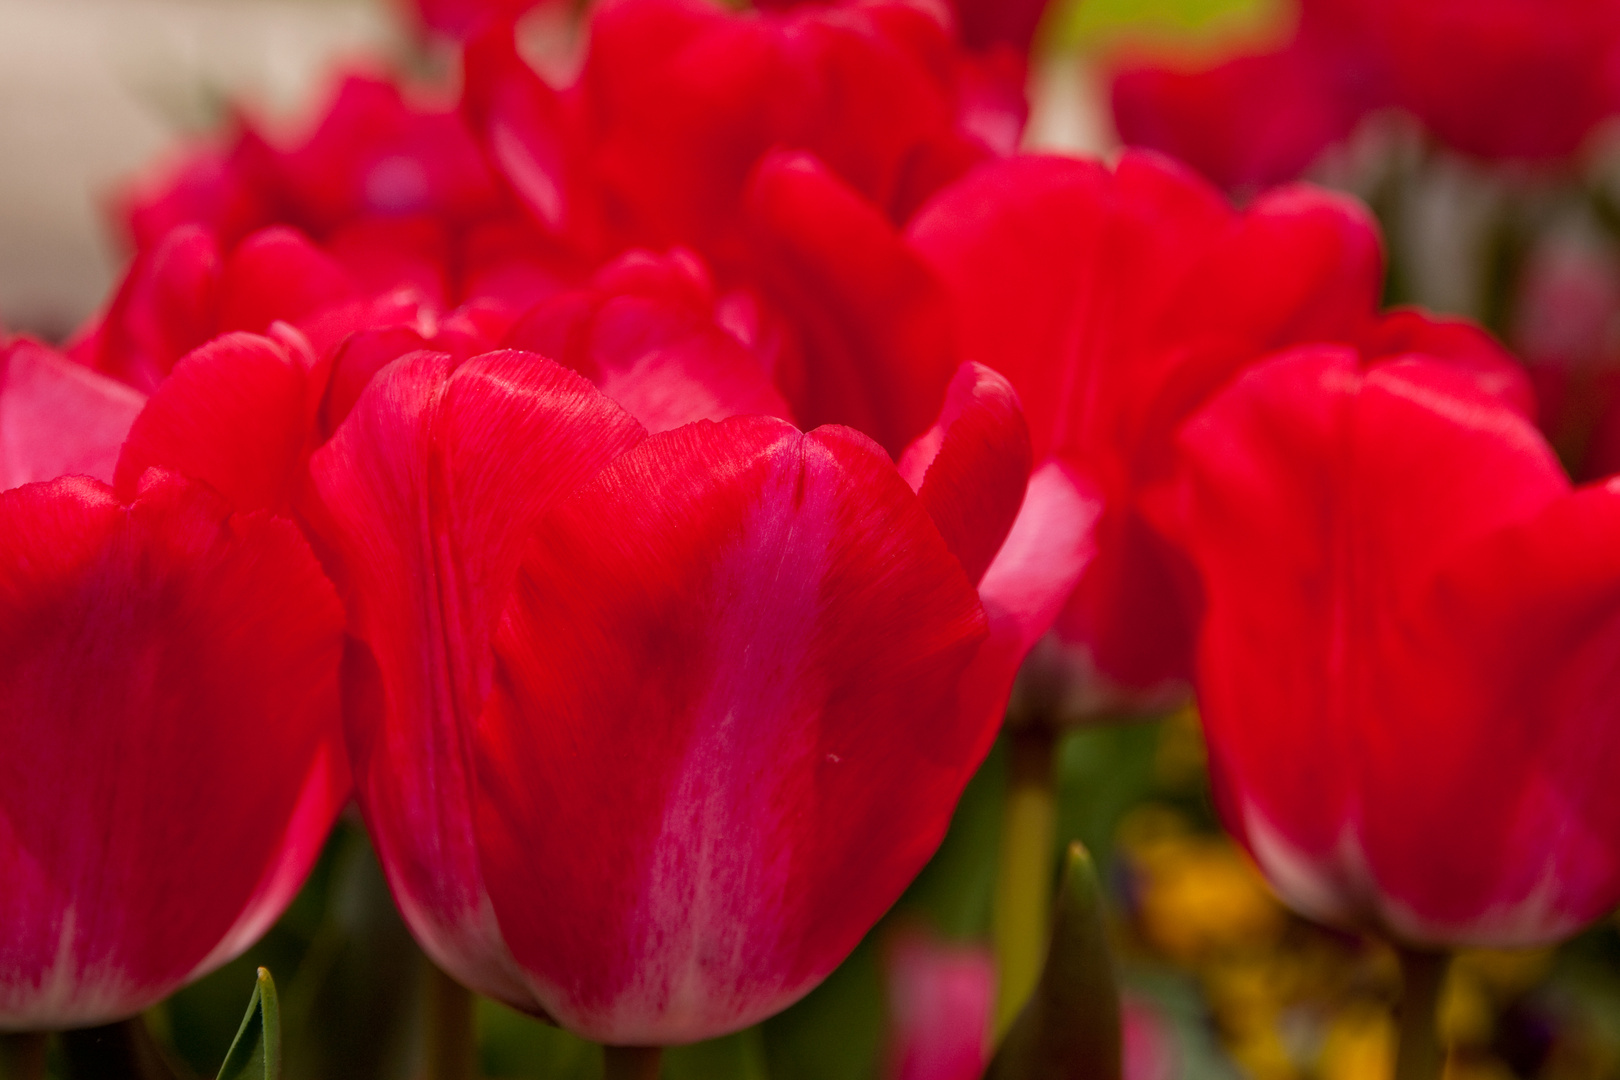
<point x="256" y="1052"/>
<point x="835" y="1032"/>
<point x="1070" y="1028"/>
<point x="1218" y="26"/>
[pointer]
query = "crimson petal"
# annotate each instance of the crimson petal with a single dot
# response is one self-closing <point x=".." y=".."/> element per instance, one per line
<point x="429" y="488"/>
<point x="720" y="745"/>
<point x="168" y="703"/>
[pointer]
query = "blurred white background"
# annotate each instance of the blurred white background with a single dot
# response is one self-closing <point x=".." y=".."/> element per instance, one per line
<point x="95" y="91"/>
<point x="92" y="91"/>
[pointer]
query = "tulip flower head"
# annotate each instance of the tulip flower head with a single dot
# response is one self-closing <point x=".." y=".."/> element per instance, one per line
<point x="649" y="730"/>
<point x="1115" y="301"/>
<point x="1409" y="662"/>
<point x="168" y="709"/>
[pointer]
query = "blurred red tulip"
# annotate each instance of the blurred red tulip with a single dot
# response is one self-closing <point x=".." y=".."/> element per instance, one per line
<point x="1248" y="123"/>
<point x="1116" y="302"/>
<point x="1259" y="119"/>
<point x="646" y="334"/>
<point x="1499" y="79"/>
<point x="680" y="99"/>
<point x="372" y="278"/>
<point x="464" y="18"/>
<point x="1566" y="325"/>
<point x="1410" y="659"/>
<point x="629" y="713"/>
<point x="374" y="152"/>
<point x="1525" y="79"/>
<point x="58" y="418"/>
<point x="981" y="25"/>
<point x="169" y="707"/>
<point x="940" y="1001"/>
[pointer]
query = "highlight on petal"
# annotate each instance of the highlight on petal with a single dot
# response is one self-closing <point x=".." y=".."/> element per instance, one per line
<point x="58" y="418"/>
<point x="1050" y="547"/>
<point x="168" y="698"/>
<point x="428" y="491"/>
<point x="1465" y="347"/>
<point x="718" y="654"/>
<point x="970" y="469"/>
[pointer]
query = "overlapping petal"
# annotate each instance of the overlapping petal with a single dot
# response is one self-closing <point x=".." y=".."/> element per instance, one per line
<point x="716" y="653"/>
<point x="57" y="418"/>
<point x="429" y="489"/>
<point x="1393" y="712"/>
<point x="1116" y="302"/>
<point x="169" y="706"/>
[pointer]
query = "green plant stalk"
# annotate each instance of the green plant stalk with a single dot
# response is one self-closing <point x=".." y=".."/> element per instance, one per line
<point x="22" y="1055"/>
<point x="1418" y="1054"/>
<point x="1070" y="1028"/>
<point x="255" y="1053"/>
<point x="631" y="1062"/>
<point x="1023" y="896"/>
<point x="451" y="1042"/>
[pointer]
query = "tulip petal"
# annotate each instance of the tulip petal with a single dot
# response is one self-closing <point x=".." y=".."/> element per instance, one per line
<point x="720" y="657"/>
<point x="1530" y="614"/>
<point x="1349" y="718"/>
<point x="646" y="335"/>
<point x="972" y="466"/>
<point x="168" y="701"/>
<point x="278" y="274"/>
<point x="166" y="307"/>
<point x="429" y="489"/>
<point x="1046" y="554"/>
<point x="876" y="326"/>
<point x="58" y="418"/>
<point x="232" y="413"/>
<point x="940" y="1001"/>
<point x="1116" y="302"/>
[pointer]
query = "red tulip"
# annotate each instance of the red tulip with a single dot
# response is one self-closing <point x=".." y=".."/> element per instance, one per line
<point x="980" y="24"/>
<point x="650" y="730"/>
<point x="940" y="1001"/>
<point x="1248" y="123"/>
<point x="168" y="704"/>
<point x="464" y="18"/>
<point x="1116" y="302"/>
<point x="1525" y="79"/>
<point x="374" y="152"/>
<point x="648" y="334"/>
<point x="371" y="279"/>
<point x="680" y="99"/>
<point x="1410" y="658"/>
<point x="1260" y="119"/>
<point x="1566" y="325"/>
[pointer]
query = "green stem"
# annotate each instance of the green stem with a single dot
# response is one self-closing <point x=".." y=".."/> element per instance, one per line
<point x="22" y="1055"/>
<point x="451" y="1046"/>
<point x="1023" y="899"/>
<point x="1418" y="1054"/>
<point x="631" y="1062"/>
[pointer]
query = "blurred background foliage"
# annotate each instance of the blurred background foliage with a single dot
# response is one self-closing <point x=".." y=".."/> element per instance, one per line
<point x="1221" y="982"/>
